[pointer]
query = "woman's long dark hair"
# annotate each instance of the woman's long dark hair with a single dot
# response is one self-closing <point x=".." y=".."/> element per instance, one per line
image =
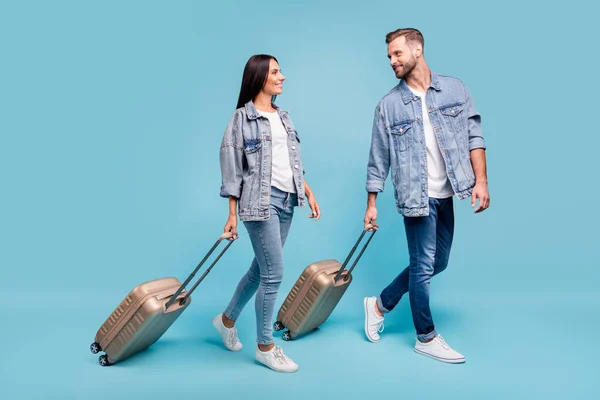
<point x="254" y="78"/>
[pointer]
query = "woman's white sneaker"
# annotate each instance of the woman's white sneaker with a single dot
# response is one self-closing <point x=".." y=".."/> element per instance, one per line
<point x="228" y="335"/>
<point x="373" y="321"/>
<point x="276" y="360"/>
<point x="439" y="350"/>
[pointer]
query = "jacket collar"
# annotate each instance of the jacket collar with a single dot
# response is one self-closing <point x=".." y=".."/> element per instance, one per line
<point x="407" y="94"/>
<point x="253" y="113"/>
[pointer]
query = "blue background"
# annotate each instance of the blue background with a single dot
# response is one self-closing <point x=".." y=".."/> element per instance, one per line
<point x="111" y="116"/>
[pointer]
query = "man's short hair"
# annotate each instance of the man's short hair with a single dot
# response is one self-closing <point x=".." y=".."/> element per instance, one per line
<point x="410" y="34"/>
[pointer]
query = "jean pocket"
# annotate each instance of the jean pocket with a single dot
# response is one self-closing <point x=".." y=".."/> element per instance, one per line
<point x="402" y="135"/>
<point x="454" y="117"/>
<point x="252" y="146"/>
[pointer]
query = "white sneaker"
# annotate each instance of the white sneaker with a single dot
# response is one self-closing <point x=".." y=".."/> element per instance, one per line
<point x="276" y="360"/>
<point x="228" y="335"/>
<point x="373" y="322"/>
<point x="438" y="349"/>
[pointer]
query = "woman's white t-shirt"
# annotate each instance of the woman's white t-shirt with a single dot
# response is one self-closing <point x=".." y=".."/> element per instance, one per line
<point x="282" y="176"/>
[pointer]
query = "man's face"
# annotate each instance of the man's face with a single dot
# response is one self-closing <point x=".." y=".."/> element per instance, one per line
<point x="402" y="57"/>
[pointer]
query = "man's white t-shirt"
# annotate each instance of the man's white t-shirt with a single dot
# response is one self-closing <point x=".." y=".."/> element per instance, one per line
<point x="438" y="184"/>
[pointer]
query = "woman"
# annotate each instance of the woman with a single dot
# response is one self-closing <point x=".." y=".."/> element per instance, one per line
<point x="263" y="178"/>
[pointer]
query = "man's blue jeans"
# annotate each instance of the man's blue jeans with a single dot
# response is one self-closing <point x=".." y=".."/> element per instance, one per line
<point x="429" y="240"/>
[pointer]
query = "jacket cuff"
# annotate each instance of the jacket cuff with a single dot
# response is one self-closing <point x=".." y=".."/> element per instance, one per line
<point x="231" y="189"/>
<point x="476" y="143"/>
<point x="375" y="186"/>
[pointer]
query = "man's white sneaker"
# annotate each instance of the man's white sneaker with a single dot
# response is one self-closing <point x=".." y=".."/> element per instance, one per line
<point x="438" y="349"/>
<point x="373" y="321"/>
<point x="276" y="360"/>
<point x="228" y="335"/>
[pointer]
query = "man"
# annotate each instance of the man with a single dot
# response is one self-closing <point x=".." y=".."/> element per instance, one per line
<point x="427" y="131"/>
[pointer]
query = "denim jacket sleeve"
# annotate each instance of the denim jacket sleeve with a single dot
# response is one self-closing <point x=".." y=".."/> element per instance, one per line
<point x="232" y="157"/>
<point x="379" y="155"/>
<point x="474" y="123"/>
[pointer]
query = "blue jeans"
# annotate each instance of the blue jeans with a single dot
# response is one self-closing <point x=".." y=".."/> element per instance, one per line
<point x="429" y="240"/>
<point x="266" y="271"/>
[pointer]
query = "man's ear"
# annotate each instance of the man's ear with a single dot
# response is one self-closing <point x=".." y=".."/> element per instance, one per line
<point x="418" y="50"/>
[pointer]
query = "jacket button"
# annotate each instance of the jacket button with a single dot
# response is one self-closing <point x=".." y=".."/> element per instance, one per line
<point x="293" y="147"/>
<point x="296" y="166"/>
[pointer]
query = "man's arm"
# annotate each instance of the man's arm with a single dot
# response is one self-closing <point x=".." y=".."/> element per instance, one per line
<point x="480" y="191"/>
<point x="477" y="153"/>
<point x="378" y="168"/>
<point x="371" y="214"/>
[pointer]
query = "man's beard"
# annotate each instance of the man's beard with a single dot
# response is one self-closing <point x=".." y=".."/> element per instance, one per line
<point x="407" y="68"/>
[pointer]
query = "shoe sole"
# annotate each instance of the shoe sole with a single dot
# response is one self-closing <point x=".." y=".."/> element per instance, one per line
<point x="367" y="323"/>
<point x="215" y="323"/>
<point x="444" y="360"/>
<point x="273" y="369"/>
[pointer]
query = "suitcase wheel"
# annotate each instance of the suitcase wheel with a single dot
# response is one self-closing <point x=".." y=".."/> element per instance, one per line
<point x="278" y="326"/>
<point x="95" y="348"/>
<point x="287" y="336"/>
<point x="103" y="360"/>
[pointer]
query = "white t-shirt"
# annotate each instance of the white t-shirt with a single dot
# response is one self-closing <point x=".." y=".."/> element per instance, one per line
<point x="281" y="171"/>
<point x="438" y="184"/>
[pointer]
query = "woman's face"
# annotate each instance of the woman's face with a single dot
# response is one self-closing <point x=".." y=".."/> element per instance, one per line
<point x="274" y="83"/>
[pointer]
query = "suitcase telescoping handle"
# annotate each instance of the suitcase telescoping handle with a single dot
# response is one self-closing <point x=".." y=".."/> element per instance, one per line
<point x="225" y="236"/>
<point x="368" y="228"/>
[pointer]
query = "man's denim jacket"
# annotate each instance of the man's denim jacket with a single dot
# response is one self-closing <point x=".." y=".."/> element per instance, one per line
<point x="398" y="142"/>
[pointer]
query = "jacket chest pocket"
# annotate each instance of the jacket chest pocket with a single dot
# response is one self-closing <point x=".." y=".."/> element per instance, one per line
<point x="402" y="135"/>
<point x="252" y="145"/>
<point x="253" y="152"/>
<point x="454" y="117"/>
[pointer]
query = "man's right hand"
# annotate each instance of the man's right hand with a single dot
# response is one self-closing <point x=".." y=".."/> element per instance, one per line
<point x="231" y="226"/>
<point x="371" y="217"/>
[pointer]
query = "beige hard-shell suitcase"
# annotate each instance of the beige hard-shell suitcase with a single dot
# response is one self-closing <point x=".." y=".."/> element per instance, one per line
<point x="146" y="314"/>
<point x="316" y="293"/>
